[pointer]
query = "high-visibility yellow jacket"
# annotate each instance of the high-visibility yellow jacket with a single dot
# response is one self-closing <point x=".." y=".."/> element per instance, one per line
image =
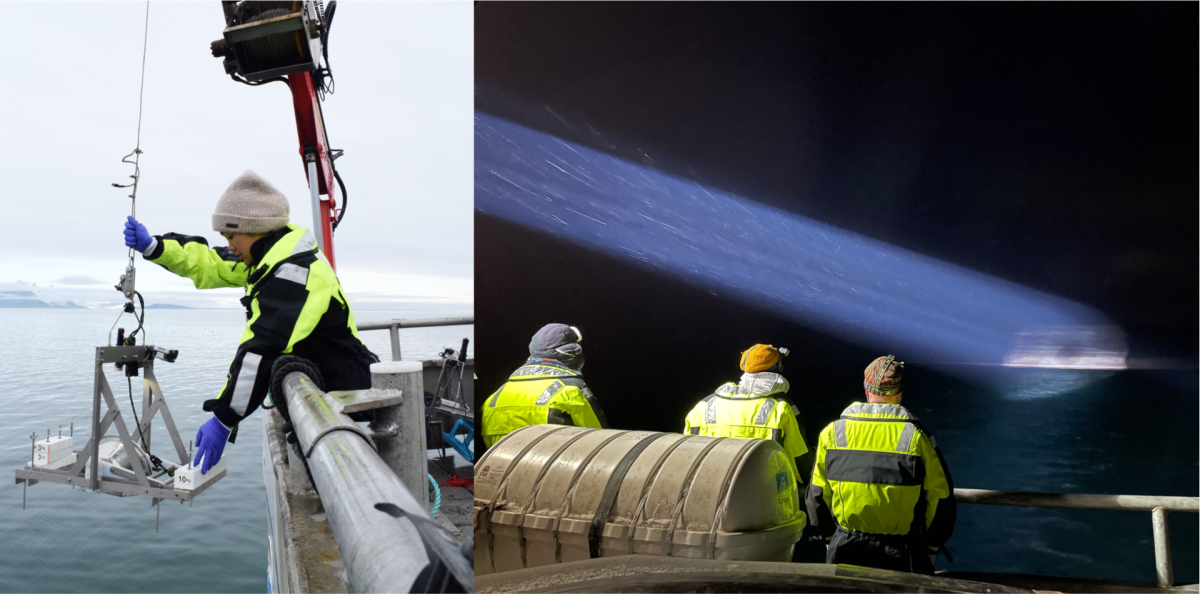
<point x="294" y="305"/>
<point x="754" y="408"/>
<point x="541" y="391"/>
<point x="879" y="472"/>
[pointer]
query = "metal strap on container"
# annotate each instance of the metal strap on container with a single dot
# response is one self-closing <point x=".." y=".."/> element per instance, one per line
<point x="500" y="488"/>
<point x="684" y="490"/>
<point x="537" y="486"/>
<point x="570" y="494"/>
<point x="653" y="476"/>
<point x="491" y="506"/>
<point x="719" y="516"/>
<point x="610" y="493"/>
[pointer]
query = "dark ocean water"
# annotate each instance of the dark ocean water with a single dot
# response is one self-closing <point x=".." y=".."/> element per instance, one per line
<point x="1059" y="431"/>
<point x="73" y="541"/>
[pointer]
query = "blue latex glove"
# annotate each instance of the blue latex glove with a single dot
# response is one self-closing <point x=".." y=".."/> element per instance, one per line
<point x="210" y="442"/>
<point x="136" y="235"/>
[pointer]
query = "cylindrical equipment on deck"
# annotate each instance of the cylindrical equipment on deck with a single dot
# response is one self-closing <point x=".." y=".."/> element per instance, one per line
<point x="551" y="494"/>
<point x="404" y="449"/>
<point x="381" y="553"/>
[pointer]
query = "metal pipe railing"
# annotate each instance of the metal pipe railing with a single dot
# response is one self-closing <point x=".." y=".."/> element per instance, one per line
<point x="1156" y="505"/>
<point x="394" y="326"/>
<point x="381" y="553"/>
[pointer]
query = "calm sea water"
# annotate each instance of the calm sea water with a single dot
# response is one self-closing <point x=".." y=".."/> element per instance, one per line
<point x="69" y="540"/>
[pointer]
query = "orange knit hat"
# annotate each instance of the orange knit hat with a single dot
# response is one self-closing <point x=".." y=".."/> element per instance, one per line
<point x="761" y="357"/>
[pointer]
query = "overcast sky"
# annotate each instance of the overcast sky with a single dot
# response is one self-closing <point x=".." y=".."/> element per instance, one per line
<point x="402" y="111"/>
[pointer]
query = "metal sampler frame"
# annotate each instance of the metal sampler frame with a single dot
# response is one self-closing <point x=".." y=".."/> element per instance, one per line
<point x="141" y="482"/>
<point x="446" y="398"/>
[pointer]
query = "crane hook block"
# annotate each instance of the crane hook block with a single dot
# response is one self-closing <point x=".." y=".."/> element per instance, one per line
<point x="126" y="284"/>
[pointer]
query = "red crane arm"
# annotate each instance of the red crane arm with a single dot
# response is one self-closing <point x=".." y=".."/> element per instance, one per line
<point x="311" y="131"/>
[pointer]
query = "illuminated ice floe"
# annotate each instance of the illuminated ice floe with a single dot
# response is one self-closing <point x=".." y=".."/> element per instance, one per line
<point x="1069" y="347"/>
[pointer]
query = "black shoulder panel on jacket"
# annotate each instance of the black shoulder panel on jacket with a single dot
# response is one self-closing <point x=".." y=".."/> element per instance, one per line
<point x="226" y="254"/>
<point x="186" y="239"/>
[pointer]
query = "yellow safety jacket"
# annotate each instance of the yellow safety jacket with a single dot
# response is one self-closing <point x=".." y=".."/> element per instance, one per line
<point x="879" y="472"/>
<point x="294" y="305"/>
<point x="541" y="391"/>
<point x="755" y="408"/>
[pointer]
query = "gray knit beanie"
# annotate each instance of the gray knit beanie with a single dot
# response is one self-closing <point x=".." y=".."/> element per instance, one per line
<point x="250" y="205"/>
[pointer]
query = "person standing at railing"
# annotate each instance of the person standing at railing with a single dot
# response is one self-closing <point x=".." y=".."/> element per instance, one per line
<point x="881" y="491"/>
<point x="294" y="302"/>
<point x="548" y="388"/>
<point x="756" y="406"/>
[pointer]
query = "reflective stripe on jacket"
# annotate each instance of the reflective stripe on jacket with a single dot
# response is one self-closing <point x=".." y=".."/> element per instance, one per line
<point x="294" y="305"/>
<point x="541" y="391"/>
<point x="879" y="472"/>
<point x="754" y="408"/>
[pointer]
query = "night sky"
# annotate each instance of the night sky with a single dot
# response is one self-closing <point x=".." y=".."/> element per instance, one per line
<point x="1050" y="145"/>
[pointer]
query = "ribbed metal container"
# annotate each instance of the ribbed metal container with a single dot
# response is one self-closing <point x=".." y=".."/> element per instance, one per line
<point x="551" y="494"/>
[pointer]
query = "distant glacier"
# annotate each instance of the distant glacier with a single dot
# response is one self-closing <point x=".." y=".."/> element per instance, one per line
<point x="29" y="299"/>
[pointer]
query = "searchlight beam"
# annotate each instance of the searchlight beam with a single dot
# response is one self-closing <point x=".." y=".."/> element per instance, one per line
<point x="842" y="283"/>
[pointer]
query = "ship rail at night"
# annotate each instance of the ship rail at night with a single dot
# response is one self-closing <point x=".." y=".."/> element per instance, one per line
<point x="1158" y="507"/>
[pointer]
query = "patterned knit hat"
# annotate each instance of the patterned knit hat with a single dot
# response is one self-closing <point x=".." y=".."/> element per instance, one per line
<point x="884" y="376"/>
<point x="761" y="357"/>
<point x="250" y="205"/>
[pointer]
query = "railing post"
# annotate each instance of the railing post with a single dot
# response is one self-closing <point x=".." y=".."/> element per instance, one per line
<point x="94" y="444"/>
<point x="1163" y="565"/>
<point x="395" y="332"/>
<point x="405" y="451"/>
